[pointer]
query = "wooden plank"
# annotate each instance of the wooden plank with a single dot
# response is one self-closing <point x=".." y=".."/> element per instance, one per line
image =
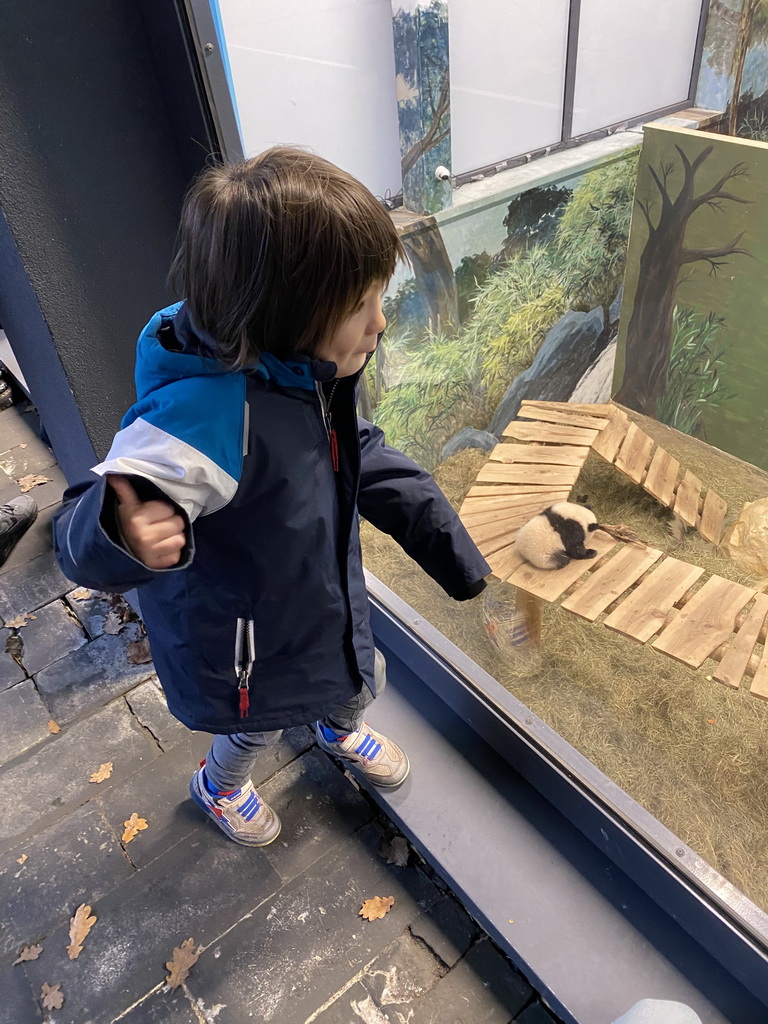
<point x="546" y="414"/>
<point x="506" y="501"/>
<point x="549" y="584"/>
<point x="662" y="477"/>
<point x="634" y="454"/>
<point x="560" y="476"/>
<point x="608" y="441"/>
<point x="472" y="519"/>
<point x="733" y="664"/>
<point x="484" y="491"/>
<point x="603" y="409"/>
<point x="541" y="454"/>
<point x="504" y="562"/>
<point x="712" y="516"/>
<point x="494" y="544"/>
<point x="500" y="528"/>
<point x="609" y="582"/>
<point x="687" y="499"/>
<point x="759" y="687"/>
<point x="549" y="433"/>
<point x="705" y="622"/>
<point x="645" y="610"/>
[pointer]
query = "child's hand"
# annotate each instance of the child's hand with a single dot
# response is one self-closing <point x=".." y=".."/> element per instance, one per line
<point x="153" y="530"/>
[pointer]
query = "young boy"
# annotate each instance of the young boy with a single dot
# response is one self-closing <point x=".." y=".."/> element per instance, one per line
<point x="231" y="494"/>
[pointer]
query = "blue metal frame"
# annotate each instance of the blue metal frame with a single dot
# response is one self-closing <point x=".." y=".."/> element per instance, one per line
<point x="720" y="918"/>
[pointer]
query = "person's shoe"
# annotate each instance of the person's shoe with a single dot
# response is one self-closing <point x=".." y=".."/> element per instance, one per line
<point x="380" y="760"/>
<point x="241" y="814"/>
<point x="16" y="517"/>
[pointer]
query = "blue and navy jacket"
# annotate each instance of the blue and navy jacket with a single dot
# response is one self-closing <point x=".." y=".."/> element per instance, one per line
<point x="264" y="622"/>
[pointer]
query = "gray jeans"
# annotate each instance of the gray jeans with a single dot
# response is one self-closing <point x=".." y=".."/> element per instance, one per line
<point x="230" y="761"/>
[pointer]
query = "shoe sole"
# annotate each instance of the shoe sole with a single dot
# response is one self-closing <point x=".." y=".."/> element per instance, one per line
<point x="194" y="792"/>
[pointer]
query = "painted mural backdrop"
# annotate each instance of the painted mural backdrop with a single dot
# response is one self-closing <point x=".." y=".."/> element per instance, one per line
<point x="694" y="329"/>
<point x="531" y="314"/>
<point x="734" y="71"/>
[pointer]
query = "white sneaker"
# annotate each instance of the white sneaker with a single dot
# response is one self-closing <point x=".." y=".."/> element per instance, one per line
<point x="380" y="760"/>
<point x="241" y="814"/>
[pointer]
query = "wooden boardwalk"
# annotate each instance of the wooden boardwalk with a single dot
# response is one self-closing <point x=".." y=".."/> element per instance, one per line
<point x="634" y="589"/>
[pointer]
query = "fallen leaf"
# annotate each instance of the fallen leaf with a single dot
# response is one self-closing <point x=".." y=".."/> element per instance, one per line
<point x="53" y="727"/>
<point x="26" y="483"/>
<point x="139" y="652"/>
<point x="184" y="957"/>
<point x="711" y="721"/>
<point x="52" y="997"/>
<point x="104" y="771"/>
<point x="112" y="623"/>
<point x="377" y="907"/>
<point x="395" y="851"/>
<point x="22" y="858"/>
<point x="14" y="646"/>
<point x="28" y="953"/>
<point x="133" y="826"/>
<point x="121" y="607"/>
<point x="22" y="446"/>
<point x="81" y="594"/>
<point x="20" y="620"/>
<point x="79" y="926"/>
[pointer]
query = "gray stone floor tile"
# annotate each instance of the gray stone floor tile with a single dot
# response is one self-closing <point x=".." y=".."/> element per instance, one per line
<point x="34" y="457"/>
<point x="19" y="425"/>
<point x="9" y="489"/>
<point x="447" y="929"/>
<point x="303" y="944"/>
<point x="53" y="780"/>
<point x="147" y="702"/>
<point x="91" y="608"/>
<point x="30" y="586"/>
<point x="52" y="634"/>
<point x="18" y="1004"/>
<point x="536" y="1014"/>
<point x="89" y="677"/>
<point x="403" y="975"/>
<point x="199" y="889"/>
<point x="76" y="861"/>
<point x="25" y="720"/>
<point x="353" y="1006"/>
<point x="318" y="808"/>
<point x="35" y="542"/>
<point x="162" y="1008"/>
<point x="49" y="494"/>
<point x="10" y="670"/>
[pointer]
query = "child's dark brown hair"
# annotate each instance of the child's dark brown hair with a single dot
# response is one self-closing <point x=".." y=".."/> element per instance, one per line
<point x="275" y="252"/>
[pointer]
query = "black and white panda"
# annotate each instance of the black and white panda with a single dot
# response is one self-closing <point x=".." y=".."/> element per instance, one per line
<point x="552" y="538"/>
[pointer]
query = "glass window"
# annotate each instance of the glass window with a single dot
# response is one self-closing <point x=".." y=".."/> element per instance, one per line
<point x="319" y="75"/>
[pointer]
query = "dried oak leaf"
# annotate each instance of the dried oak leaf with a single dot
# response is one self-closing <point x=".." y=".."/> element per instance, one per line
<point x="112" y="623"/>
<point x="79" y="926"/>
<point x="139" y="652"/>
<point x="52" y="997"/>
<point x="184" y="957"/>
<point x="395" y="851"/>
<point x="20" y="620"/>
<point x="22" y="858"/>
<point x="28" y="953"/>
<point x="26" y="483"/>
<point x="104" y="771"/>
<point x="133" y="826"/>
<point x="377" y="907"/>
<point x="81" y="594"/>
<point x="53" y="727"/>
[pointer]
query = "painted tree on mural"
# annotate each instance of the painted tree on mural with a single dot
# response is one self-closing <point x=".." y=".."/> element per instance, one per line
<point x="749" y="22"/>
<point x="649" y="333"/>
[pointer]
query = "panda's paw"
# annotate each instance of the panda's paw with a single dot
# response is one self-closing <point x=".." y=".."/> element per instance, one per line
<point x="590" y="553"/>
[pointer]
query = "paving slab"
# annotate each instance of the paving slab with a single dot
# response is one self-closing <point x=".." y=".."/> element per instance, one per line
<point x="148" y="704"/>
<point x="9" y="489"/>
<point x="76" y="861"/>
<point x="30" y="457"/>
<point x="89" y="677"/>
<point x="404" y="974"/>
<point x="49" y="493"/>
<point x="18" y="1004"/>
<point x="447" y="929"/>
<point x="353" y="1006"/>
<point x="28" y="587"/>
<point x="318" y="807"/>
<point x="10" y="670"/>
<point x="35" y="542"/>
<point x="19" y="425"/>
<point x="163" y="1008"/>
<point x="292" y="953"/>
<point x="53" y="780"/>
<point x="91" y="607"/>
<point x="52" y="634"/>
<point x="25" y="720"/>
<point x="199" y="889"/>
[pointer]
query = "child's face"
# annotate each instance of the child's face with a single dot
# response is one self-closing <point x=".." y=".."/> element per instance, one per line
<point x="356" y="336"/>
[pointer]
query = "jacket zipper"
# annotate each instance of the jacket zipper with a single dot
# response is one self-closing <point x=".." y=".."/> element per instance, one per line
<point x="245" y="655"/>
<point x="330" y="430"/>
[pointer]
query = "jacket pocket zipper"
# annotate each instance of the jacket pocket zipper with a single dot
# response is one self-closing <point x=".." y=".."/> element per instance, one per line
<point x="245" y="655"/>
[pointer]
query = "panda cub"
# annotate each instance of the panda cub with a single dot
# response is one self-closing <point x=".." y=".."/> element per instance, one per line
<point x="552" y="538"/>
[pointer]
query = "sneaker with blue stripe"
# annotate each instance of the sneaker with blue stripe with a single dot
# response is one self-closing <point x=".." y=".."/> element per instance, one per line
<point x="380" y="760"/>
<point x="241" y="814"/>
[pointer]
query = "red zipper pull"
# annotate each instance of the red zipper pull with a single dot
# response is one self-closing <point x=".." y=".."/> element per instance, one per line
<point x="334" y="450"/>
<point x="244" y="700"/>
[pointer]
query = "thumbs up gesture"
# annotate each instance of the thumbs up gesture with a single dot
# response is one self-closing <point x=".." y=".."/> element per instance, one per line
<point x="153" y="530"/>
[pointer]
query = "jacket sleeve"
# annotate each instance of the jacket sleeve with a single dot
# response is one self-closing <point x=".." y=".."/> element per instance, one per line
<point x="87" y="540"/>
<point x="401" y="499"/>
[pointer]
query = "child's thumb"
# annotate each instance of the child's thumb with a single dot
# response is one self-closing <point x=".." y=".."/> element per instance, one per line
<point x="123" y="489"/>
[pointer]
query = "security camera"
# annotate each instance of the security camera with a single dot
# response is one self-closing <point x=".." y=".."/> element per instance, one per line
<point x="442" y="173"/>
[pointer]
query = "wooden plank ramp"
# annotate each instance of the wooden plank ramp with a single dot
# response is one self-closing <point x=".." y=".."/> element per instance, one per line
<point x="549" y="433"/>
<point x="542" y="454"/>
<point x="609" y="441"/>
<point x="549" y="584"/>
<point x="661" y="481"/>
<point x="567" y="417"/>
<point x="643" y="612"/>
<point x="705" y="622"/>
<point x="552" y="476"/>
<point x="687" y="499"/>
<point x="712" y="516"/>
<point x="733" y="664"/>
<point x="610" y="580"/>
<point x="634" y="455"/>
